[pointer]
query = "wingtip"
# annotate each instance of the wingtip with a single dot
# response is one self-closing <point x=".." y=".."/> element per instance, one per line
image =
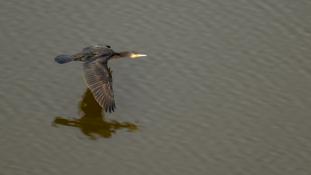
<point x="110" y="109"/>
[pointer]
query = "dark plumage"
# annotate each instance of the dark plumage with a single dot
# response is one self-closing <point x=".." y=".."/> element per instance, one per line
<point x="97" y="74"/>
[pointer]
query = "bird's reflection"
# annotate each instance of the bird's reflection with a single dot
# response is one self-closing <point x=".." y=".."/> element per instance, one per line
<point x="93" y="122"/>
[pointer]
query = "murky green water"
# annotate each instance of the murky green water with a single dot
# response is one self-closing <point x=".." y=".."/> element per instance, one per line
<point x="226" y="88"/>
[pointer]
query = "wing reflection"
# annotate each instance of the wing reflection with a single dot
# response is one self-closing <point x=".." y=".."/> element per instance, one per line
<point x="93" y="122"/>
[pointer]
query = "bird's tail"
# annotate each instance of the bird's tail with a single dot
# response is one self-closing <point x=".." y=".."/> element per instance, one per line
<point x="62" y="59"/>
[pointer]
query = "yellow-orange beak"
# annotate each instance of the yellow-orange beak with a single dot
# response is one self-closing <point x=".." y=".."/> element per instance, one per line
<point x="137" y="55"/>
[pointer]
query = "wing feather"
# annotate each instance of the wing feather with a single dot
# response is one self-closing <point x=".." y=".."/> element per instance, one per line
<point x="99" y="81"/>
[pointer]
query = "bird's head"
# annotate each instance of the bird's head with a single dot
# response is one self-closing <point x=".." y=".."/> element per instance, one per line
<point x="130" y="54"/>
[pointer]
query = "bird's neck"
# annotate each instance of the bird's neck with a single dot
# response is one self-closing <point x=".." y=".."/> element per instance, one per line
<point x="120" y="55"/>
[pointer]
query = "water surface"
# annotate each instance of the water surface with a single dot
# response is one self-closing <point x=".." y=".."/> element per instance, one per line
<point x="225" y="88"/>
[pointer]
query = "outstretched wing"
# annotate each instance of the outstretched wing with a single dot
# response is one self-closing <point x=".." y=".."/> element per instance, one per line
<point x="99" y="81"/>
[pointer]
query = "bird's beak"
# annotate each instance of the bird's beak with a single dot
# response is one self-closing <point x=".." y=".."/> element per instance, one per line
<point x="137" y="55"/>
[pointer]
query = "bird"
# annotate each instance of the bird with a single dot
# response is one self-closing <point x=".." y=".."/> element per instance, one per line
<point x="98" y="75"/>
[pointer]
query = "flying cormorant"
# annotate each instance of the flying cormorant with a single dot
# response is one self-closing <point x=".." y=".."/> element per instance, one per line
<point x="96" y="71"/>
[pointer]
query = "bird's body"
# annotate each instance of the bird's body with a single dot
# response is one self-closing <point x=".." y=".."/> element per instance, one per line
<point x="96" y="71"/>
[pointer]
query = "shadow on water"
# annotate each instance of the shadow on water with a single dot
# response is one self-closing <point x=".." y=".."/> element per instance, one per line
<point x="93" y="122"/>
